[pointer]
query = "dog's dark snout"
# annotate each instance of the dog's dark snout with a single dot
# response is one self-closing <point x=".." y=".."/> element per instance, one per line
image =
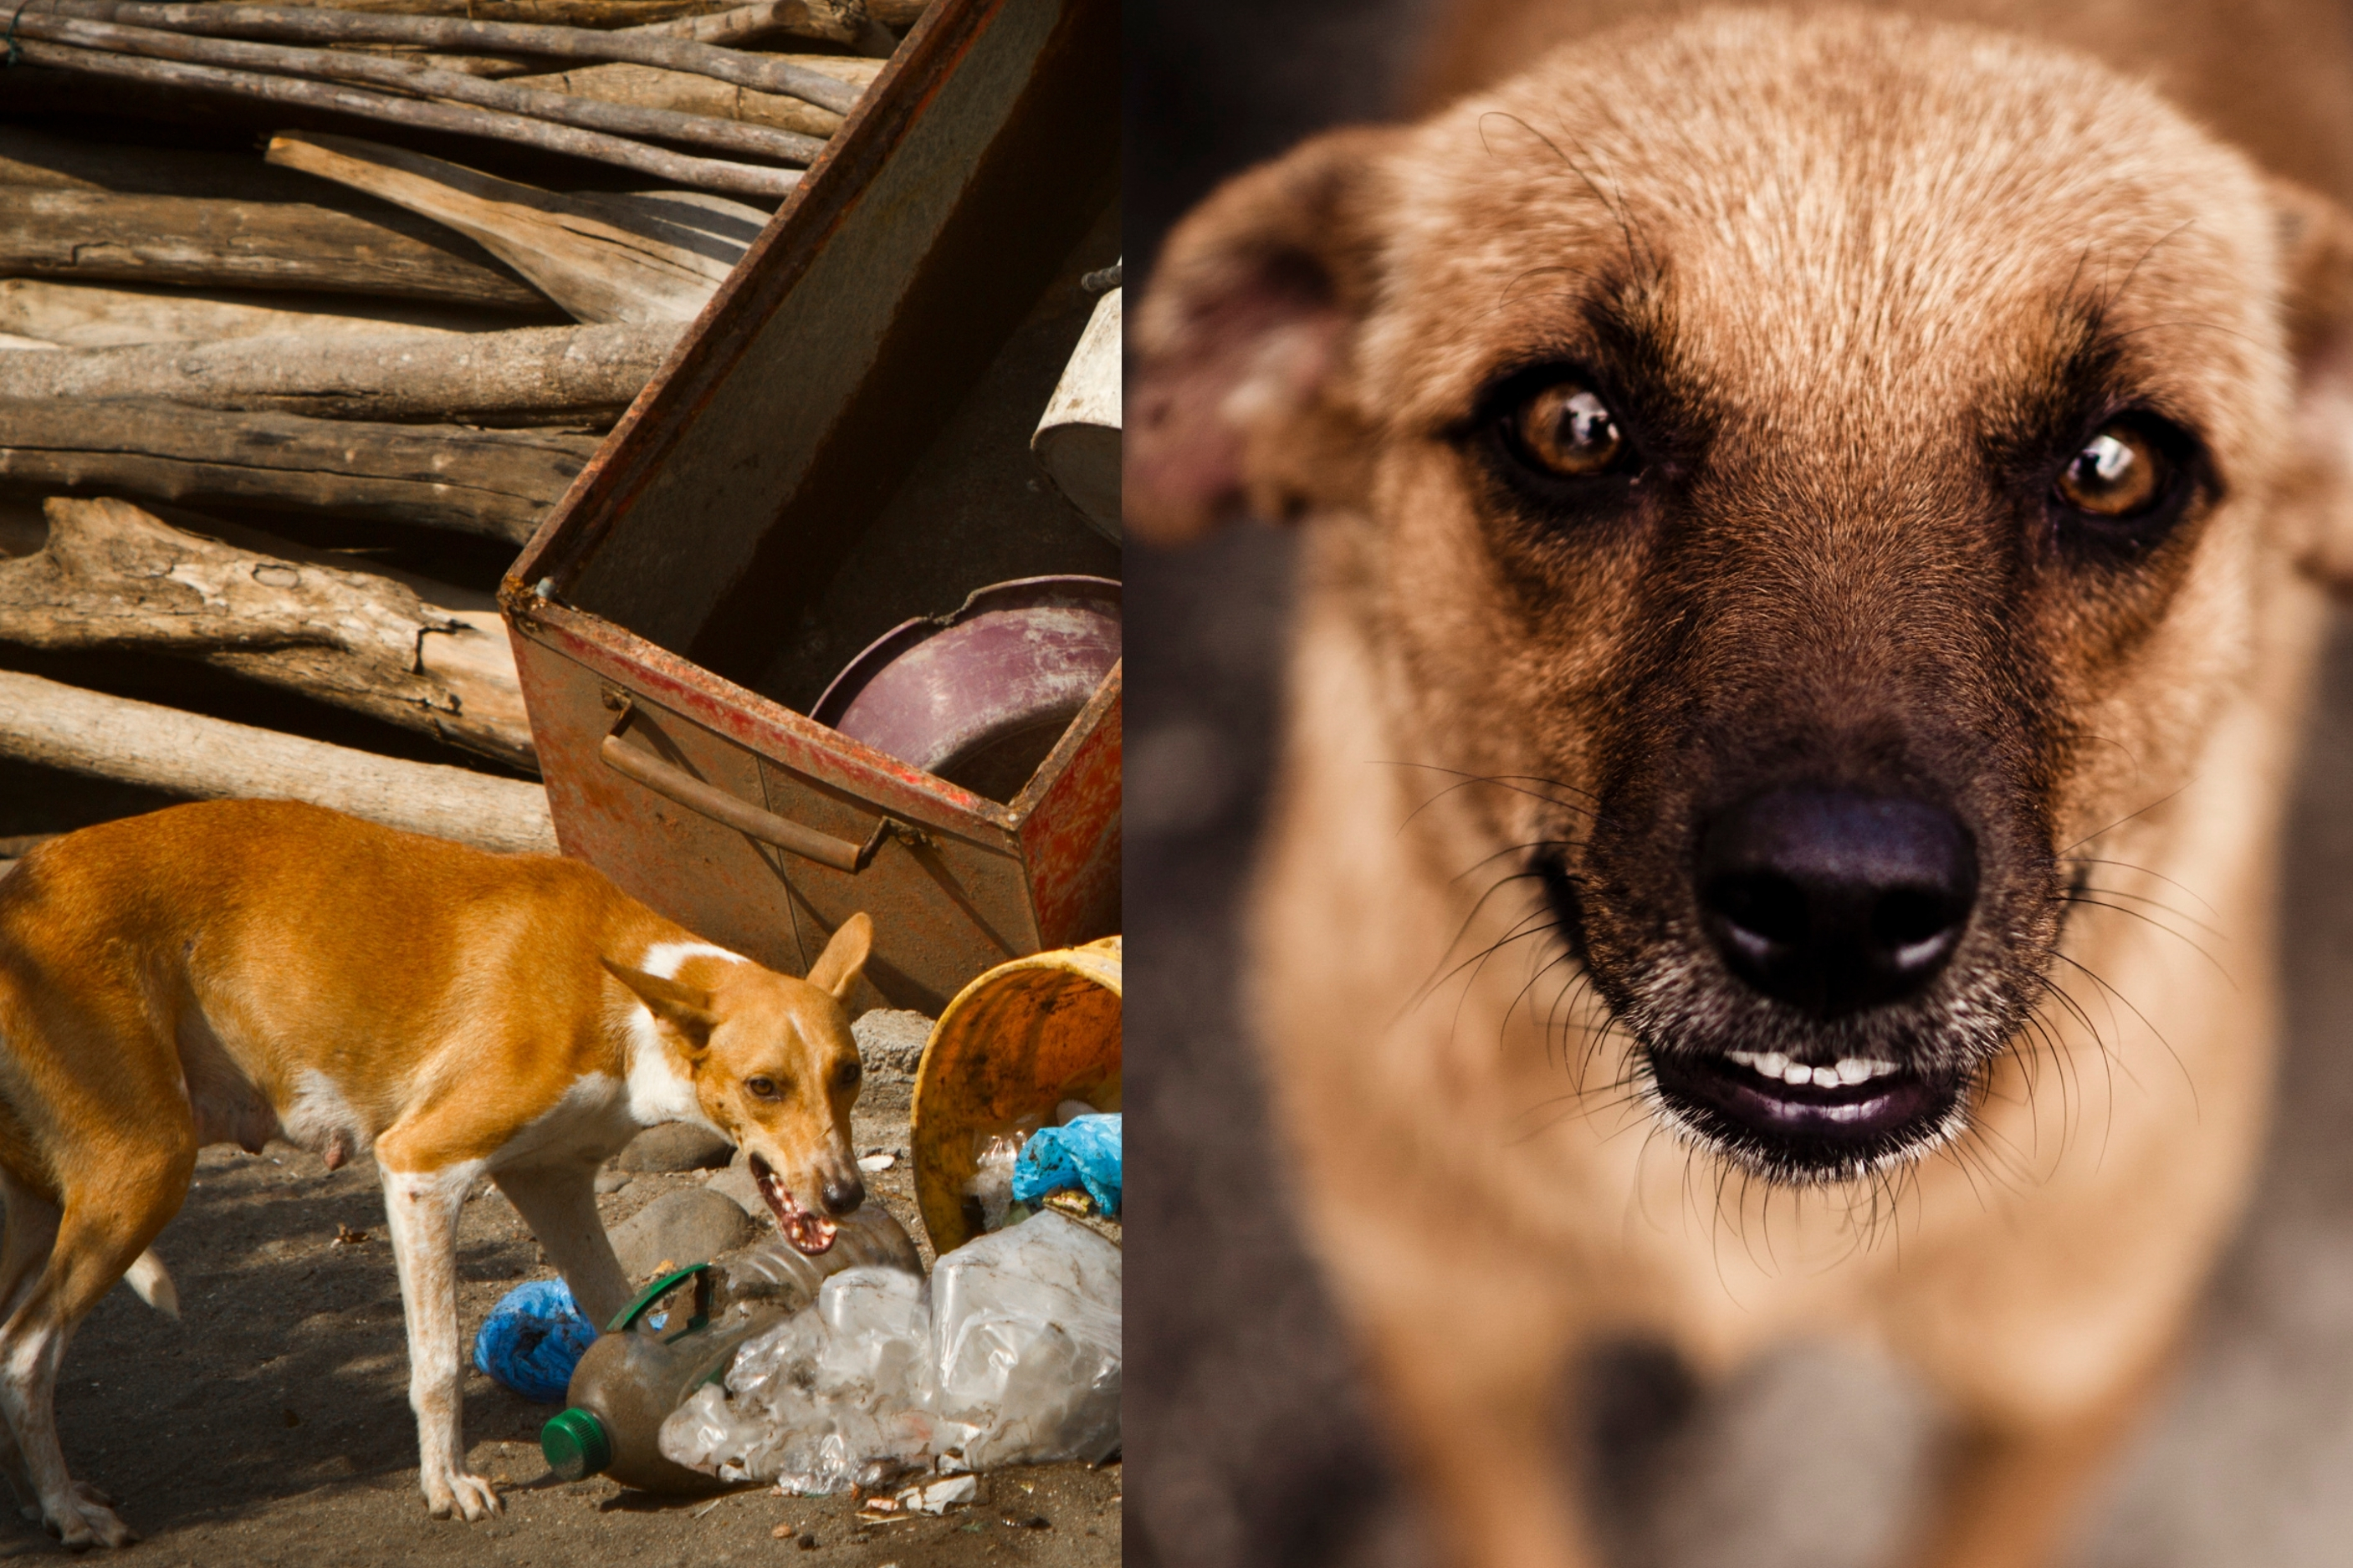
<point x="1835" y="901"/>
<point x="842" y="1195"/>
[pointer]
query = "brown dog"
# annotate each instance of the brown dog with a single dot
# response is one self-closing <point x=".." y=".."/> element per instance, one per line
<point x="1813" y="523"/>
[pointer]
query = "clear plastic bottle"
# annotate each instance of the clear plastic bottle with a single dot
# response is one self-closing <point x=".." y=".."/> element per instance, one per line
<point x="775" y="1272"/>
<point x="635" y="1375"/>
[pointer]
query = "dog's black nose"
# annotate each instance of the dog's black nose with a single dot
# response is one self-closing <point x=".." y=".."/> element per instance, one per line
<point x="1834" y="901"/>
<point x="842" y="1195"/>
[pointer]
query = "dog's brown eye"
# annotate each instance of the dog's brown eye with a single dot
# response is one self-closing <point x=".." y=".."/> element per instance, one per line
<point x="761" y="1087"/>
<point x="1567" y="427"/>
<point x="2117" y="474"/>
<point x="850" y="1074"/>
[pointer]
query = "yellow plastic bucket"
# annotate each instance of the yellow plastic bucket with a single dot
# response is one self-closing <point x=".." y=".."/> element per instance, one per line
<point x="1013" y="1045"/>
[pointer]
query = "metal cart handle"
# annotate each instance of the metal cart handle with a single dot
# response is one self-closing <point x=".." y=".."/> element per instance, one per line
<point x="676" y="783"/>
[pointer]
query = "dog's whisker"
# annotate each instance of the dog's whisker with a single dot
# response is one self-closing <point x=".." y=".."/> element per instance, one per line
<point x="2143" y="870"/>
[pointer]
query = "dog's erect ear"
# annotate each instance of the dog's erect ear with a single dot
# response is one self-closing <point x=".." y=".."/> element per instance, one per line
<point x="837" y="969"/>
<point x="1239" y="333"/>
<point x="686" y="1008"/>
<point x="2316" y="281"/>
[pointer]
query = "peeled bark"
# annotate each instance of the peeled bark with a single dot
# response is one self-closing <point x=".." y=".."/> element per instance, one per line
<point x="112" y="576"/>
<point x="58" y="726"/>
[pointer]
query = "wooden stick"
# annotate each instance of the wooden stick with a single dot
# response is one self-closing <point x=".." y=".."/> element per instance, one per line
<point x="689" y="94"/>
<point x="492" y="482"/>
<point x="745" y="179"/>
<point x="541" y="375"/>
<point x="602" y="258"/>
<point x="88" y="316"/>
<point x="58" y="726"/>
<point x="112" y="576"/>
<point x="897" y="15"/>
<point x="836" y="21"/>
<point x="602" y="15"/>
<point x="425" y="80"/>
<point x="102" y="237"/>
<point x="321" y="25"/>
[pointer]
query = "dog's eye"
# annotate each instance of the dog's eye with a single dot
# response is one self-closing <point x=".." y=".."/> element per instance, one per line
<point x="2119" y="473"/>
<point x="850" y="1074"/>
<point x="1566" y="429"/>
<point x="761" y="1087"/>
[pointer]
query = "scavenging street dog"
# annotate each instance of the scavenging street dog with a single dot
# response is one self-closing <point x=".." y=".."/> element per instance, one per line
<point x="242" y="970"/>
<point x="1815" y="526"/>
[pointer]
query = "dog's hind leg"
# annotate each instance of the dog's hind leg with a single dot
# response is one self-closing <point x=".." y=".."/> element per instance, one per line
<point x="421" y="1203"/>
<point x="30" y="1234"/>
<point x="103" y="1227"/>
<point x="559" y="1204"/>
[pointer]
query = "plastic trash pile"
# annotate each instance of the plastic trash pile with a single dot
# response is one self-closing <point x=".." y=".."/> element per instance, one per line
<point x="1008" y="1354"/>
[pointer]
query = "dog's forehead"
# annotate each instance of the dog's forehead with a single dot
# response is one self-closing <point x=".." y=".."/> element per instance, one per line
<point x="1865" y="211"/>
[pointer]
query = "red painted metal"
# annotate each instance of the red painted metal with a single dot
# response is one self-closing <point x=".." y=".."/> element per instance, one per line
<point x="838" y="347"/>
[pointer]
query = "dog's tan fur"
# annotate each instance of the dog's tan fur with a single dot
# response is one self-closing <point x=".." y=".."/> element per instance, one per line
<point x="1851" y="245"/>
<point x="243" y="971"/>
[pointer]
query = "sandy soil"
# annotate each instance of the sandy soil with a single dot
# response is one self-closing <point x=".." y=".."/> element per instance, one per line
<point x="270" y="1425"/>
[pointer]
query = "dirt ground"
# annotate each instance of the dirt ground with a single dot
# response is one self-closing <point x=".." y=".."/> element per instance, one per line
<point x="270" y="1425"/>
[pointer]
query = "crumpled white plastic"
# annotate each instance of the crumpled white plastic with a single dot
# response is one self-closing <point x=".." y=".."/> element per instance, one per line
<point x="1019" y="1364"/>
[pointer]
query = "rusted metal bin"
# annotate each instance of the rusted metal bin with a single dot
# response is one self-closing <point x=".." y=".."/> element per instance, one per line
<point x="839" y="443"/>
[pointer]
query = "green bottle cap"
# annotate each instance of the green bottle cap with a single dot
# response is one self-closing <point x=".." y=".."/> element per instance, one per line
<point x="576" y="1445"/>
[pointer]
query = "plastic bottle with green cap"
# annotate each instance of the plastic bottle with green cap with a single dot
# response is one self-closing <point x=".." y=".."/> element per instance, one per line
<point x="638" y="1371"/>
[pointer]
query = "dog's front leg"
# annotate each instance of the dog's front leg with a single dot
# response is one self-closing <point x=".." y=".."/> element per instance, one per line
<point x="2017" y="1489"/>
<point x="559" y="1204"/>
<point x="1471" y="1375"/>
<point x="421" y="1205"/>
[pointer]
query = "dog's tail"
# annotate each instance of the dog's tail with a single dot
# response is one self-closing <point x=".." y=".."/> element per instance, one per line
<point x="154" y="1287"/>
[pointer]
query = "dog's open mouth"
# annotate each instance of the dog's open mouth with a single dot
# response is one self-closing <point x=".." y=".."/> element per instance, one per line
<point x="1807" y="1121"/>
<point x="810" y="1234"/>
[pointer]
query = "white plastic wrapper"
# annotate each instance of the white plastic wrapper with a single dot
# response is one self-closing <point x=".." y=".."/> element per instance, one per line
<point x="1020" y="1366"/>
<point x="1025" y="1343"/>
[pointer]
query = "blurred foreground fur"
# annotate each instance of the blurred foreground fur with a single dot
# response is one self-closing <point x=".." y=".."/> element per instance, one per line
<point x="1818" y="528"/>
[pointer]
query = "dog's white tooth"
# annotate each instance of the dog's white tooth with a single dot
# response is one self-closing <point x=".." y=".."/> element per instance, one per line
<point x="1772" y="1064"/>
<point x="1853" y="1069"/>
<point x="1881" y="1070"/>
<point x="1826" y="1078"/>
<point x="1797" y="1074"/>
<point x="1746" y="1059"/>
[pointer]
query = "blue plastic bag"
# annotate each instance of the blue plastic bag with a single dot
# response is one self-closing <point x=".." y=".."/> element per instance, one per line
<point x="1083" y="1153"/>
<point x="533" y="1339"/>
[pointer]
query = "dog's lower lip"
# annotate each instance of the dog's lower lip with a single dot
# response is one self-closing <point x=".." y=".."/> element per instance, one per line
<point x="1807" y="1125"/>
<point x="808" y="1234"/>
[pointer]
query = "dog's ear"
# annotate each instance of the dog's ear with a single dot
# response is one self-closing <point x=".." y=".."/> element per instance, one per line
<point x="2316" y="283"/>
<point x="686" y="1008"/>
<point x="1240" y="336"/>
<point x="837" y="969"/>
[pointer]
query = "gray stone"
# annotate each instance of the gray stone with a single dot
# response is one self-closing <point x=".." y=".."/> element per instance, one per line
<point x="736" y="1182"/>
<point x="675" y="1146"/>
<point x="612" y="1181"/>
<point x="890" y="1040"/>
<point x="691" y="1226"/>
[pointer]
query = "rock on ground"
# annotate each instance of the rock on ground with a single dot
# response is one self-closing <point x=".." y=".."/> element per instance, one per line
<point x="890" y="1040"/>
<point x="675" y="1146"/>
<point x="692" y="1226"/>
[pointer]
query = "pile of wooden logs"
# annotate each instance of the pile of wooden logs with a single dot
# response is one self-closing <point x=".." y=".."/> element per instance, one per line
<point x="306" y="334"/>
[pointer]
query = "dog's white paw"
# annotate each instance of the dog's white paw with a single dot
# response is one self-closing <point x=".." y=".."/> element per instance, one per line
<point x="87" y="1519"/>
<point x="470" y="1497"/>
